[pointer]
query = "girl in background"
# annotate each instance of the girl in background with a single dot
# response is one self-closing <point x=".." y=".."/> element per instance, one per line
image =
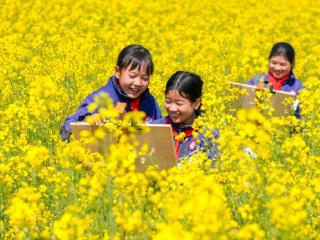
<point x="280" y="75"/>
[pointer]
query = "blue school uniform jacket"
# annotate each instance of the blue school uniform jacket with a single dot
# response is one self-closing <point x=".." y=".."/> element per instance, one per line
<point x="292" y="84"/>
<point x="190" y="145"/>
<point x="148" y="105"/>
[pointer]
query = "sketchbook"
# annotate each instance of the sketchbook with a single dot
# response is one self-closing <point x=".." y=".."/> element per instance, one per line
<point x="278" y="99"/>
<point x="159" y="139"/>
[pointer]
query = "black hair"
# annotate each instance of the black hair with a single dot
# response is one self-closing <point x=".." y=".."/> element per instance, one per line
<point x="187" y="84"/>
<point x="135" y="55"/>
<point x="283" y="49"/>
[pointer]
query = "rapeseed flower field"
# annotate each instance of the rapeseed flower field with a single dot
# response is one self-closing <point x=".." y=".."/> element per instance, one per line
<point x="54" y="53"/>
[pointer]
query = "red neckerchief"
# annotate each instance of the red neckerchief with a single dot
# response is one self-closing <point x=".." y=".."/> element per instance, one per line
<point x="277" y="82"/>
<point x="187" y="133"/>
<point x="134" y="104"/>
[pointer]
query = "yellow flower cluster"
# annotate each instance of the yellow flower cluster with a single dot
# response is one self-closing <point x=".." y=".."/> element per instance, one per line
<point x="264" y="184"/>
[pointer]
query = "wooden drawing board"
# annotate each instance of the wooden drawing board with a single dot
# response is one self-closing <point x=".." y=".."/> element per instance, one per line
<point x="277" y="99"/>
<point x="159" y="140"/>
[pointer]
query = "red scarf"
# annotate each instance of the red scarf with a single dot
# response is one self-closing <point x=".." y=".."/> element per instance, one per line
<point x="134" y="104"/>
<point x="277" y="83"/>
<point x="187" y="133"/>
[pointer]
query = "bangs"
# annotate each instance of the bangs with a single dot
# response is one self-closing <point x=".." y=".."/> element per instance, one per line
<point x="136" y="61"/>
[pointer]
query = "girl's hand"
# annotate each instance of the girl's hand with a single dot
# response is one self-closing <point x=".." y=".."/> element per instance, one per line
<point x="96" y="119"/>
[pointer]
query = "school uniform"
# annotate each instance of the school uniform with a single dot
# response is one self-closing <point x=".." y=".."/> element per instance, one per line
<point x="189" y="145"/>
<point x="146" y="103"/>
<point x="288" y="84"/>
<point x="292" y="84"/>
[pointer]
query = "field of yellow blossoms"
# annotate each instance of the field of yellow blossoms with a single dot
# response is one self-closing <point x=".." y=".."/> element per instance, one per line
<point x="54" y="53"/>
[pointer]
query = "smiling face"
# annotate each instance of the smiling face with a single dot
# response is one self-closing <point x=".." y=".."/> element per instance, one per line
<point x="279" y="66"/>
<point x="180" y="109"/>
<point x="133" y="82"/>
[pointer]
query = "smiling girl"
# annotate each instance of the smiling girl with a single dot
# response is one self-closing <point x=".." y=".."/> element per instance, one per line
<point x="280" y="75"/>
<point x="128" y="85"/>
<point x="182" y="102"/>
